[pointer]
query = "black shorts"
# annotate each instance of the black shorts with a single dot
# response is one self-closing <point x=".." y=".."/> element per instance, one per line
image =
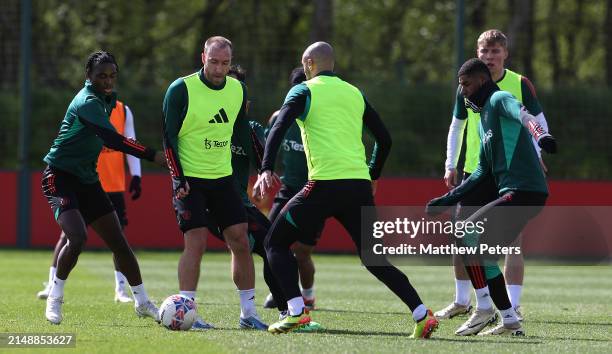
<point x="258" y="226"/>
<point x="505" y="217"/>
<point x="64" y="192"/>
<point x="215" y="197"/>
<point x="118" y="200"/>
<point x="482" y="194"/>
<point x="319" y="200"/>
<point x="281" y="199"/>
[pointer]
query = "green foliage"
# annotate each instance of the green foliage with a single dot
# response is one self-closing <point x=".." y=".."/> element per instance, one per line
<point x="401" y="53"/>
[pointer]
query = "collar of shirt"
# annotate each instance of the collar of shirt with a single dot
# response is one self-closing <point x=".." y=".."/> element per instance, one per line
<point x="108" y="99"/>
<point x="326" y="73"/>
<point x="208" y="83"/>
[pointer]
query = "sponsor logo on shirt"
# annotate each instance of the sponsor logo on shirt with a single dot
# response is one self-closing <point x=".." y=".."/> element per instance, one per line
<point x="214" y="144"/>
<point x="289" y="145"/>
<point x="487" y="136"/>
<point x="238" y="150"/>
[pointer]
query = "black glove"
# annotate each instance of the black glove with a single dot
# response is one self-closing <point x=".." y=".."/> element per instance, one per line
<point x="438" y="205"/>
<point x="548" y="143"/>
<point x="135" y="187"/>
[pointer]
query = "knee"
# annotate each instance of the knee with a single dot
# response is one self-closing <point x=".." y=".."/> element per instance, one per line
<point x="303" y="253"/>
<point x="236" y="238"/>
<point x="194" y="242"/>
<point x="76" y="243"/>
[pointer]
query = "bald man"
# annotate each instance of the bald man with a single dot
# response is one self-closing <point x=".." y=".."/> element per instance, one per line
<point x="331" y="114"/>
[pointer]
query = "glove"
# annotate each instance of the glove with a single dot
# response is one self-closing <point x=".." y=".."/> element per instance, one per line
<point x="135" y="187"/>
<point x="438" y="205"/>
<point x="180" y="187"/>
<point x="548" y="143"/>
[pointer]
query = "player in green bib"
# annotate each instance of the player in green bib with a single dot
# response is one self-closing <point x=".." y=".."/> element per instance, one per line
<point x="203" y="112"/>
<point x="295" y="175"/>
<point x="331" y="114"/>
<point x="71" y="185"/>
<point x="492" y="50"/>
<point x="509" y="162"/>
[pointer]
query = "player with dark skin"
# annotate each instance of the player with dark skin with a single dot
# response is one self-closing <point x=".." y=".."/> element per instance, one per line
<point x="71" y="185"/>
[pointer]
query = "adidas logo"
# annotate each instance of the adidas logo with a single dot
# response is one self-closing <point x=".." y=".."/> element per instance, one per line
<point x="220" y="117"/>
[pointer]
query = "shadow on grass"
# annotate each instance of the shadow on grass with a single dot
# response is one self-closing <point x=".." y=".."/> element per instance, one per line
<point x="526" y="340"/>
<point x="358" y="312"/>
<point x="318" y="309"/>
<point x="573" y="339"/>
<point x="572" y="323"/>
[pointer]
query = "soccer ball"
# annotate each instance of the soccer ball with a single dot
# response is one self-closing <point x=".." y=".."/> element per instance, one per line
<point x="178" y="312"/>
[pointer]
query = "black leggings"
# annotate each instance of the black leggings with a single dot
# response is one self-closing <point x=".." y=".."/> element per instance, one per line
<point x="300" y="219"/>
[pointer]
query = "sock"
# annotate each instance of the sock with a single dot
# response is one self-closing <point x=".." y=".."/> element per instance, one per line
<point x="296" y="306"/>
<point x="120" y="282"/>
<point x="247" y="303"/>
<point x="514" y="293"/>
<point x="508" y="316"/>
<point x="483" y="299"/>
<point x="52" y="271"/>
<point x="140" y="295"/>
<point x="57" y="289"/>
<point x="462" y="292"/>
<point x="308" y="293"/>
<point x="497" y="289"/>
<point x="189" y="293"/>
<point x="419" y="313"/>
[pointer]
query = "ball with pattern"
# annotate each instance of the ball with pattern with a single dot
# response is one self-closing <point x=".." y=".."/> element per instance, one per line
<point x="178" y="312"/>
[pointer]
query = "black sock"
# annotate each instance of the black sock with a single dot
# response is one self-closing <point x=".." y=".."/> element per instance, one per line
<point x="497" y="289"/>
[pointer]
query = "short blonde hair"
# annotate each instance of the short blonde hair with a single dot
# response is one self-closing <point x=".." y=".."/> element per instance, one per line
<point x="222" y="42"/>
<point x="492" y="37"/>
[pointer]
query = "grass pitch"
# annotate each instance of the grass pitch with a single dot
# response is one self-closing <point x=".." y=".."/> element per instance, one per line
<point x="567" y="309"/>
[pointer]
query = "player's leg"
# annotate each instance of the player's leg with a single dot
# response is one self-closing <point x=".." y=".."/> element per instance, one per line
<point x="226" y="207"/>
<point x="118" y="201"/>
<point x="73" y="225"/>
<point x="280" y="200"/>
<point x="193" y="223"/>
<point x="351" y="196"/>
<point x="506" y="217"/>
<point x="43" y="294"/>
<point x="100" y="214"/>
<point x="296" y="222"/>
<point x="60" y="189"/>
<point x="306" y="269"/>
<point x="514" y="270"/>
<point x="259" y="226"/>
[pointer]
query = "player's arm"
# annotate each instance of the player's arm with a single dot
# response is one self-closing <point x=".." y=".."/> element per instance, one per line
<point x="509" y="107"/>
<point x="293" y="107"/>
<point x="439" y="205"/>
<point x="258" y="140"/>
<point x="454" y="140"/>
<point x="271" y="121"/>
<point x="92" y="115"/>
<point x="174" y="110"/>
<point x="382" y="140"/>
<point x="132" y="161"/>
<point x="531" y="102"/>
<point x="130" y="132"/>
<point x="242" y="130"/>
